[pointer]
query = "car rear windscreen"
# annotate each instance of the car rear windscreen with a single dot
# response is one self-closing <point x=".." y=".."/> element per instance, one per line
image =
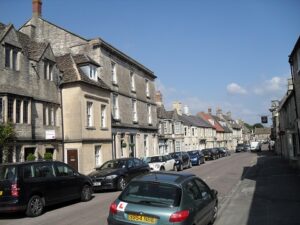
<point x="8" y="172"/>
<point x="152" y="193"/>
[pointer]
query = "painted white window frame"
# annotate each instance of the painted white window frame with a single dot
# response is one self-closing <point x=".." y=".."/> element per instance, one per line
<point x="132" y="81"/>
<point x="115" y="107"/>
<point x="103" y="116"/>
<point x="134" y="110"/>
<point x="89" y="114"/>
<point x="114" y="73"/>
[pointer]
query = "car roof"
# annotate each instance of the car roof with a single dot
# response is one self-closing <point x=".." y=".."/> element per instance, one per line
<point x="26" y="163"/>
<point x="165" y="177"/>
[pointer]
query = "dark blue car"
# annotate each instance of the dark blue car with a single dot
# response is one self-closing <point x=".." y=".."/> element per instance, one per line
<point x="196" y="157"/>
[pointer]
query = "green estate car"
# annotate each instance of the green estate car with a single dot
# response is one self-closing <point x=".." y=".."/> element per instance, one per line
<point x="165" y="198"/>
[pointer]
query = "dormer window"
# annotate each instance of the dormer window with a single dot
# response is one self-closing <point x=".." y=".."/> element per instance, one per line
<point x="90" y="71"/>
<point x="12" y="55"/>
<point x="48" y="70"/>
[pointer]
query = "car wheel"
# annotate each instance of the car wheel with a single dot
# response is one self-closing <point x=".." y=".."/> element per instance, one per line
<point x="190" y="164"/>
<point x="121" y="183"/>
<point x="35" y="206"/>
<point x="180" y="167"/>
<point x="162" y="168"/>
<point x="86" y="193"/>
<point x="174" y="168"/>
<point x="199" y="162"/>
<point x="215" y="214"/>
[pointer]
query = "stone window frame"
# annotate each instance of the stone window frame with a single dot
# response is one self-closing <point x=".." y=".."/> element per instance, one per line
<point x="13" y="60"/>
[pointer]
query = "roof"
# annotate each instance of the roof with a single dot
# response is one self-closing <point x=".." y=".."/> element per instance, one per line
<point x="163" y="114"/>
<point x="207" y="117"/>
<point x="72" y="73"/>
<point x="297" y="45"/>
<point x="84" y="59"/>
<point x="265" y="130"/>
<point x="98" y="41"/>
<point x="195" y="121"/>
<point x="32" y="49"/>
<point x="167" y="177"/>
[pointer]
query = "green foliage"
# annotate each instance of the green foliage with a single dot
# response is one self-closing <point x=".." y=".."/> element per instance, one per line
<point x="30" y="157"/>
<point x="258" y="125"/>
<point x="7" y="136"/>
<point x="48" y="156"/>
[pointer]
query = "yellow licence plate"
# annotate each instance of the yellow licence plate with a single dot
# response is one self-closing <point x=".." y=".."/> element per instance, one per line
<point x="1" y="193"/>
<point x="141" y="218"/>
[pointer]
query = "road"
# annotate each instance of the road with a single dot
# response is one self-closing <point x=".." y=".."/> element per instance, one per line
<point x="223" y="175"/>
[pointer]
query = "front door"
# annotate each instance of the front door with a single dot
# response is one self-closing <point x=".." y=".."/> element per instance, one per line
<point x="72" y="157"/>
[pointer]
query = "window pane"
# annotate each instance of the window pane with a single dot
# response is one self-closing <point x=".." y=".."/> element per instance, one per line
<point x="25" y="112"/>
<point x="10" y="109"/>
<point x="7" y="56"/>
<point x="18" y="111"/>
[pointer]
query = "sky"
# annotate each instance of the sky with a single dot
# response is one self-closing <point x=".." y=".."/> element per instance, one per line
<point x="231" y="54"/>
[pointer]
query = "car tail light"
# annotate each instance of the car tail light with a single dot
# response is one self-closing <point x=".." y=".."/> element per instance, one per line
<point x="15" y="190"/>
<point x="179" y="216"/>
<point x="113" y="208"/>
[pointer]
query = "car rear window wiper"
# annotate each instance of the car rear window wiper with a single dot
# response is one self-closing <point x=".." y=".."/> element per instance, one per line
<point x="154" y="202"/>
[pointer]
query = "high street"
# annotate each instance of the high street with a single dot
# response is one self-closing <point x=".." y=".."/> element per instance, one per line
<point x="223" y="175"/>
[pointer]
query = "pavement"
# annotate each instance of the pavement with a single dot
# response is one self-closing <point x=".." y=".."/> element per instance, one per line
<point x="267" y="194"/>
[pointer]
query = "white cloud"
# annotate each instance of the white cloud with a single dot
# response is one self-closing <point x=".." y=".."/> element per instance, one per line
<point x="274" y="85"/>
<point x="234" y="89"/>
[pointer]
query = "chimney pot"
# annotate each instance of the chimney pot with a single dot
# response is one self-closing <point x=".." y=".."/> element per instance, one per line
<point x="37" y="8"/>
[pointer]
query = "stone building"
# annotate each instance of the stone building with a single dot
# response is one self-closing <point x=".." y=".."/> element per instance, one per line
<point x="133" y="109"/>
<point x="170" y="128"/>
<point x="29" y="95"/>
<point x="86" y="113"/>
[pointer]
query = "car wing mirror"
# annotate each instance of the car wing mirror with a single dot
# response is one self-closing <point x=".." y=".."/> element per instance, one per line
<point x="214" y="192"/>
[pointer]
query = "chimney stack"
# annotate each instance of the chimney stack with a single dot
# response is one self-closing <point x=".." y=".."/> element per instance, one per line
<point x="178" y="107"/>
<point x="37" y="8"/>
<point x="209" y="111"/>
<point x="219" y="112"/>
<point x="158" y="98"/>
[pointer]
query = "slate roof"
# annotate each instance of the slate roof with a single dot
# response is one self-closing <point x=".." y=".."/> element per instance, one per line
<point x="84" y="59"/>
<point x="195" y="121"/>
<point x="265" y="130"/>
<point x="71" y="72"/>
<point x="163" y="114"/>
<point x="32" y="49"/>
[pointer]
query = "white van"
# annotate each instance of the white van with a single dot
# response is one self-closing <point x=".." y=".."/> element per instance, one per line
<point x="255" y="146"/>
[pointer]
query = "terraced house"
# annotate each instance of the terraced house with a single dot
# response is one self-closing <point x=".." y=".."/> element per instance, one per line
<point x="29" y="95"/>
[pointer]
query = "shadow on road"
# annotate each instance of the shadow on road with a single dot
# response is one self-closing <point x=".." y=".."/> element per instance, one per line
<point x="276" y="197"/>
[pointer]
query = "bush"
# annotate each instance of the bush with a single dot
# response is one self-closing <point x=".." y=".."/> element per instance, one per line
<point x="48" y="156"/>
<point x="30" y="157"/>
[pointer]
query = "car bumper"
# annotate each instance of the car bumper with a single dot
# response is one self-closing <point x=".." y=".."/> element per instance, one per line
<point x="12" y="205"/>
<point x="106" y="185"/>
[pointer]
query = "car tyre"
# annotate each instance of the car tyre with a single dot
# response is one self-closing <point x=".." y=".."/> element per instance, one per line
<point x="190" y="164"/>
<point x="180" y="167"/>
<point x="162" y="168"/>
<point x="121" y="184"/>
<point x="86" y="193"/>
<point x="35" y="206"/>
<point x="215" y="214"/>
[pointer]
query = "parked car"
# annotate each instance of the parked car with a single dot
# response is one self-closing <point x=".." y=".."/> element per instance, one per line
<point x="182" y="160"/>
<point x="247" y="147"/>
<point x="115" y="174"/>
<point x="196" y="157"/>
<point x="255" y="146"/>
<point x="165" y="198"/>
<point x="31" y="186"/>
<point x="211" y="153"/>
<point x="161" y="163"/>
<point x="225" y="151"/>
<point x="239" y="148"/>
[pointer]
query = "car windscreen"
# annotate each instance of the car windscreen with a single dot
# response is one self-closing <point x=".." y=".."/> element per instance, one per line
<point x="193" y="153"/>
<point x="176" y="155"/>
<point x="113" y="164"/>
<point x="152" y="193"/>
<point x="154" y="159"/>
<point x="8" y="172"/>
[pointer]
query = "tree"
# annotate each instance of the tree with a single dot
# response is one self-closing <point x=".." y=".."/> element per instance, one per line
<point x="7" y="136"/>
<point x="258" y="125"/>
<point x="248" y="126"/>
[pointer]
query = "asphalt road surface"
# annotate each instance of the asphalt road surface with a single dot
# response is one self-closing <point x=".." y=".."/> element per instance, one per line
<point x="223" y="175"/>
